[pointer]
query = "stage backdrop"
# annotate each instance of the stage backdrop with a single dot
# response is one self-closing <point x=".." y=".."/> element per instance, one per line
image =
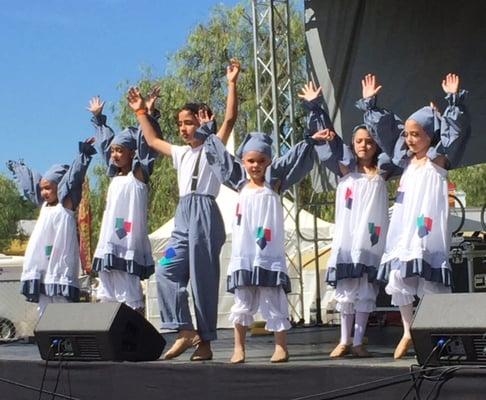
<point x="410" y="45"/>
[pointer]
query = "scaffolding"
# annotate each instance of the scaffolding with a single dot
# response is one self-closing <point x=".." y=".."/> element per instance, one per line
<point x="275" y="104"/>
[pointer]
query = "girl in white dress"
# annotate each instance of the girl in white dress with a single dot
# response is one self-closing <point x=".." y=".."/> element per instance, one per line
<point x="257" y="274"/>
<point x="360" y="226"/>
<point x="123" y="256"/>
<point x="51" y="264"/>
<point x="415" y="261"/>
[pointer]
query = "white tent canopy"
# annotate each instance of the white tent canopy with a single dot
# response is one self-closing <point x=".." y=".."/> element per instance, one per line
<point x="227" y="201"/>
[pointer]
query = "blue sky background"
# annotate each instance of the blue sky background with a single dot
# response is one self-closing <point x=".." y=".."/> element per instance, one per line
<point x="56" y="54"/>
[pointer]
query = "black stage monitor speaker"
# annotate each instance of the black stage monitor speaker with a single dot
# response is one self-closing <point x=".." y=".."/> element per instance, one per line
<point x="96" y="332"/>
<point x="450" y="329"/>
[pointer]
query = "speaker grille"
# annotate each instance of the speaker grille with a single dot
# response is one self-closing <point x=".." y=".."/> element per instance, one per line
<point x="88" y="347"/>
<point x="479" y="344"/>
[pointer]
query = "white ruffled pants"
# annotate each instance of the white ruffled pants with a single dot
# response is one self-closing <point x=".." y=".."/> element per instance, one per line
<point x="270" y="301"/>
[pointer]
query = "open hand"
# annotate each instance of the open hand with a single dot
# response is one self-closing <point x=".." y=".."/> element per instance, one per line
<point x="203" y="116"/>
<point x="152" y="99"/>
<point x="309" y="92"/>
<point x="325" y="135"/>
<point x="233" y="70"/>
<point x="135" y="99"/>
<point x="450" y="84"/>
<point x="369" y="85"/>
<point x="96" y="105"/>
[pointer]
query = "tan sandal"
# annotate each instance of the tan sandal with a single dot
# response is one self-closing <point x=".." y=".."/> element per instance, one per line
<point x="402" y="348"/>
<point x="184" y="341"/>
<point x="280" y="356"/>
<point x="238" y="357"/>
<point x="360" y="351"/>
<point x="203" y="352"/>
<point x="340" y="350"/>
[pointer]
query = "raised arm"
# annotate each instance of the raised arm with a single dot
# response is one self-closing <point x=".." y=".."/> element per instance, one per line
<point x="384" y="126"/>
<point x="145" y="156"/>
<point x="27" y="181"/>
<point x="332" y="153"/>
<point x="225" y="166"/>
<point x="104" y="133"/>
<point x="70" y="188"/>
<point x="455" y="128"/>
<point x="294" y="165"/>
<point x="148" y="128"/>
<point x="231" y="113"/>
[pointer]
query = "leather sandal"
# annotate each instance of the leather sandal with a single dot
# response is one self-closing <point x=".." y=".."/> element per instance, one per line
<point x="340" y="351"/>
<point x="184" y="341"/>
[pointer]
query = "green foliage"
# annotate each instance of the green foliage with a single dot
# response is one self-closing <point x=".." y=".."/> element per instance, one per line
<point x="471" y="180"/>
<point x="197" y="73"/>
<point x="13" y="207"/>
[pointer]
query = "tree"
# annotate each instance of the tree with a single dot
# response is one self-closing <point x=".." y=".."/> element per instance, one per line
<point x="13" y="207"/>
<point x="197" y="73"/>
<point x="471" y="180"/>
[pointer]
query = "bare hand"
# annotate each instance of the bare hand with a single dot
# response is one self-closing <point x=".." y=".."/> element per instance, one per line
<point x="135" y="99"/>
<point x="152" y="99"/>
<point x="325" y="135"/>
<point x="233" y="70"/>
<point x="369" y="85"/>
<point x="203" y="117"/>
<point x="309" y="92"/>
<point x="450" y="84"/>
<point x="96" y="105"/>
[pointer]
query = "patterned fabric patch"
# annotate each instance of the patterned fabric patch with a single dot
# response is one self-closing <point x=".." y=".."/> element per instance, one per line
<point x="348" y="198"/>
<point x="424" y="225"/>
<point x="127" y="226"/>
<point x="122" y="227"/>
<point x="169" y="253"/>
<point x="264" y="235"/>
<point x="375" y="232"/>
<point x="48" y="250"/>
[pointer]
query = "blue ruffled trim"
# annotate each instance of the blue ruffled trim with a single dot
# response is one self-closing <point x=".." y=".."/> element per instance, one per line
<point x="455" y="99"/>
<point x="258" y="277"/>
<point x="416" y="267"/>
<point x="33" y="288"/>
<point x="314" y="104"/>
<point x="365" y="104"/>
<point x="350" y="270"/>
<point x="110" y="261"/>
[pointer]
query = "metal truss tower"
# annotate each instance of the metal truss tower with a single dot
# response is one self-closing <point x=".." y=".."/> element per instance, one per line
<point x="275" y="108"/>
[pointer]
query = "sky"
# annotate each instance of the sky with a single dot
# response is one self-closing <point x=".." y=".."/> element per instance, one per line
<point x="56" y="54"/>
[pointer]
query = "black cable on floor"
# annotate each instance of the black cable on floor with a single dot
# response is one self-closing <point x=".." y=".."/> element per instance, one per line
<point x="35" y="389"/>
<point x="59" y="370"/>
<point x="45" y="372"/>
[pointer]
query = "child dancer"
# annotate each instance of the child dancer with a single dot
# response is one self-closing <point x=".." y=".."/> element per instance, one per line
<point x="415" y="261"/>
<point x="51" y="265"/>
<point x="193" y="250"/>
<point x="257" y="274"/>
<point x="123" y="256"/>
<point x="361" y="223"/>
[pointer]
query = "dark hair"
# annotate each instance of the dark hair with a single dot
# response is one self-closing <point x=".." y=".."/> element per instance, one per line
<point x="378" y="148"/>
<point x="194" y="108"/>
<point x="205" y="107"/>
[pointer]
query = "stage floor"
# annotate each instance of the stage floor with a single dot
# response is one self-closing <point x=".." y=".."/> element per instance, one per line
<point x="307" y="346"/>
<point x="309" y="372"/>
